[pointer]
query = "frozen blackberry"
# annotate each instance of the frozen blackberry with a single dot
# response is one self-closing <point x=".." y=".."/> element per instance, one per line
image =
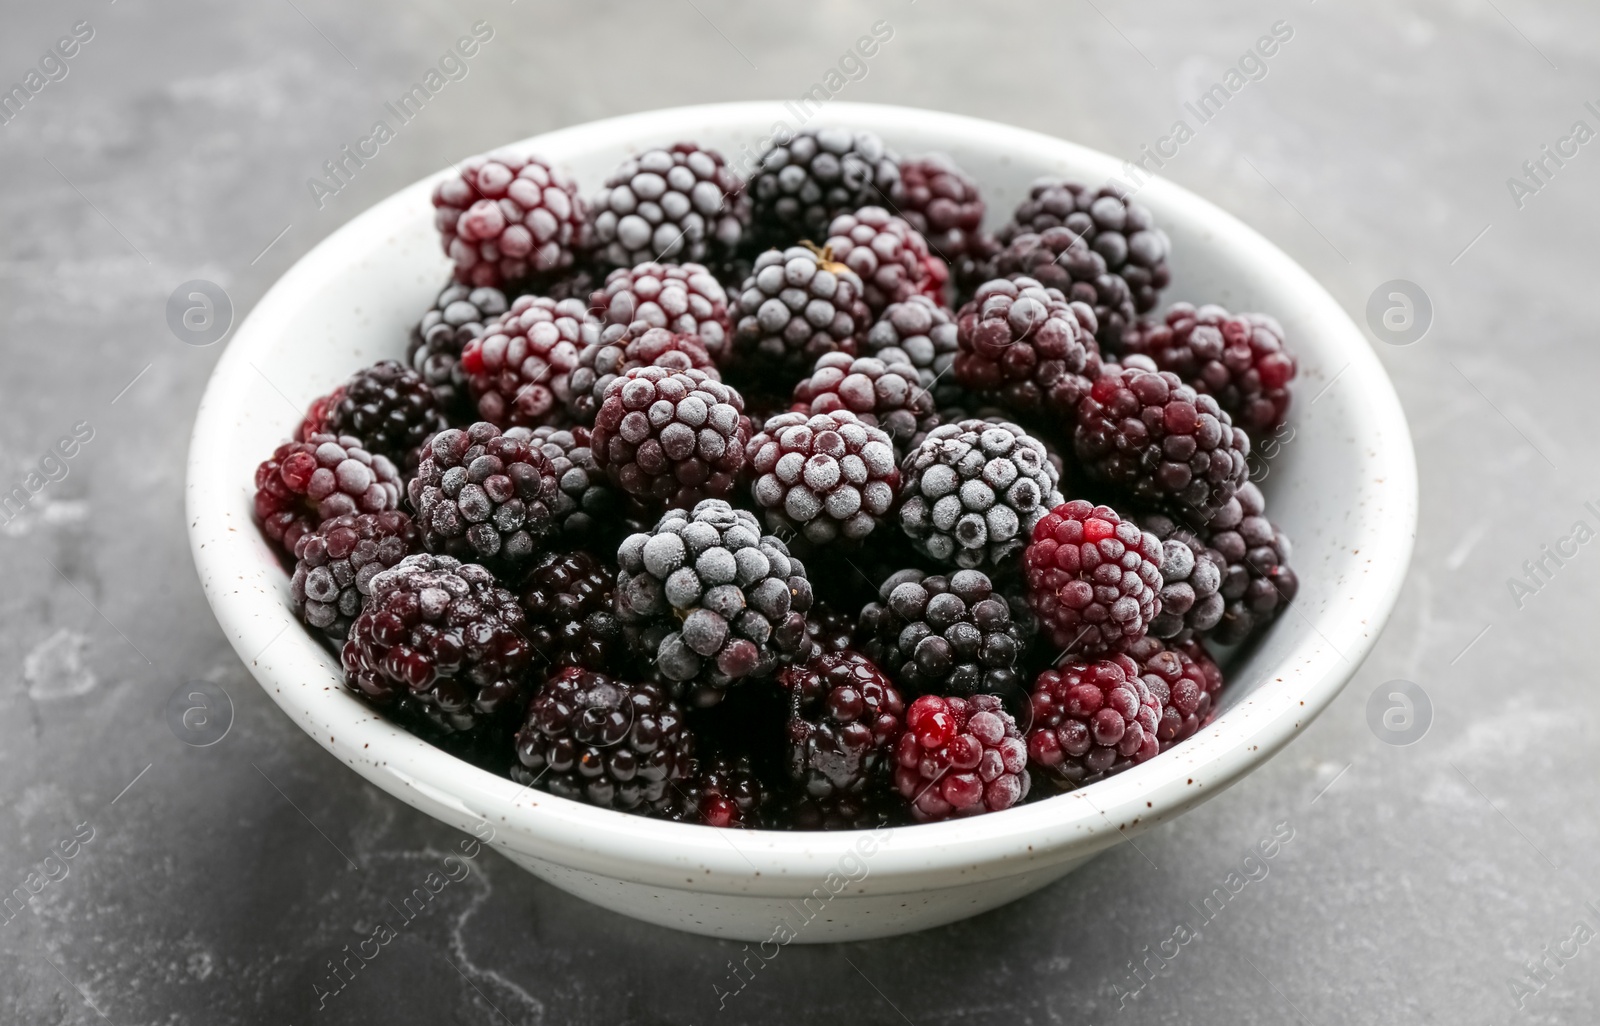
<point x="1120" y="230"/>
<point x="944" y="635"/>
<point x="1092" y="719"/>
<point x="586" y="504"/>
<point x="335" y="565"/>
<point x="596" y="738"/>
<point x="739" y="597"/>
<point x="670" y="204"/>
<point x="1155" y="438"/>
<point x="1186" y="684"/>
<point x="1257" y="583"/>
<point x="684" y="298"/>
<point x="518" y="369"/>
<point x="884" y="391"/>
<point x="797" y="304"/>
<point x="1026" y="347"/>
<point x="818" y="174"/>
<point x="602" y="363"/>
<point x="845" y="719"/>
<point x="308" y="482"/>
<point x="439" y="638"/>
<point x="1240" y="359"/>
<point x="960" y="757"/>
<point x="1094" y="579"/>
<point x="485" y="496"/>
<point x="925" y="333"/>
<point x="568" y="598"/>
<point x="943" y="203"/>
<point x="1059" y="259"/>
<point x="458" y="316"/>
<point x="972" y="491"/>
<point x="1191" y="580"/>
<point x="889" y="256"/>
<point x="388" y="405"/>
<point x="671" y="438"/>
<point x="721" y="791"/>
<point x="507" y="217"/>
<point x="828" y="476"/>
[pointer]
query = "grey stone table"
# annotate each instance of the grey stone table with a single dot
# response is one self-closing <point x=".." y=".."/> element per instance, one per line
<point x="214" y="885"/>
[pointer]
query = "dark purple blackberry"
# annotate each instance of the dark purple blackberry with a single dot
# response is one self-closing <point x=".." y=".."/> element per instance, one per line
<point x="1094" y="579"/>
<point x="827" y="476"/>
<point x="306" y="483"/>
<point x="943" y="203"/>
<point x="889" y="256"/>
<point x="671" y="438"/>
<point x="972" y="491"/>
<point x="518" y="369"/>
<point x="684" y="298"/>
<point x="1058" y="259"/>
<point x="670" y="204"/>
<point x="335" y="565"/>
<point x="1239" y="359"/>
<point x="960" y="757"/>
<point x="797" y="304"/>
<point x="1186" y="684"/>
<point x="818" y="174"/>
<point x="926" y="333"/>
<point x="441" y="639"/>
<point x="601" y="364"/>
<point x="595" y="738"/>
<point x="458" y="316"/>
<point x="1092" y="719"/>
<point x="586" y="506"/>
<point x="883" y="391"/>
<point x="485" y="496"/>
<point x="388" y="405"/>
<point x="844" y="721"/>
<point x="1191" y="576"/>
<point x="950" y="635"/>
<point x="721" y="791"/>
<point x="568" y="598"/>
<point x="1024" y="346"/>
<point x="1155" y="438"/>
<point x="507" y="217"/>
<point x="739" y="597"/>
<point x="1257" y="583"/>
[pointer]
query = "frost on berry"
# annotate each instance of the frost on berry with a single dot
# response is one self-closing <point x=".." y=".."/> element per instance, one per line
<point x="828" y="476"/>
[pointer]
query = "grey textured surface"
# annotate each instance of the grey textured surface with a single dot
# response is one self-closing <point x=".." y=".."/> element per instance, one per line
<point x="1419" y="879"/>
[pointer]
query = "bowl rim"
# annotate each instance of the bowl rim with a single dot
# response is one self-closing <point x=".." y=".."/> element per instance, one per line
<point x="645" y="850"/>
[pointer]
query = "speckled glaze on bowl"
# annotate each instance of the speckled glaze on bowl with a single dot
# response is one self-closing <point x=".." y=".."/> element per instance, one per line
<point x="1344" y="488"/>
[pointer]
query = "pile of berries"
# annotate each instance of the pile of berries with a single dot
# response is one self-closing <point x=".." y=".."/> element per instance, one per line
<point x="802" y="502"/>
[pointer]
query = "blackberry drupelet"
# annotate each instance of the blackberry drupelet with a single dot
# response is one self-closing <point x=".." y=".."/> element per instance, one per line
<point x="602" y="363"/>
<point x="1025" y="347"/>
<point x="1240" y="359"/>
<point x="308" y="482"/>
<point x="670" y="204"/>
<point x="844" y="722"/>
<point x="926" y="333"/>
<point x="1257" y="583"/>
<point x="507" y="217"/>
<point x="671" y="438"/>
<point x="1093" y="578"/>
<point x="960" y="757"/>
<point x="721" y="791"/>
<point x="943" y="203"/>
<point x="797" y="304"/>
<point x="1186" y="684"/>
<point x="518" y="369"/>
<point x="1059" y="259"/>
<point x="485" y="496"/>
<point x="829" y="476"/>
<point x="1092" y="719"/>
<point x="1191" y="576"/>
<point x="439" y="639"/>
<point x="944" y="635"/>
<point x="458" y="316"/>
<point x="972" y="491"/>
<point x="586" y="505"/>
<point x="884" y="391"/>
<point x="801" y="185"/>
<point x="568" y="598"/>
<point x="335" y="565"/>
<point x="889" y="256"/>
<point x="388" y="405"/>
<point x="684" y="298"/>
<point x="596" y="738"/>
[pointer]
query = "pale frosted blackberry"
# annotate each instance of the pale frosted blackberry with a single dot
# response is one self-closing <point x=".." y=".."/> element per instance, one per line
<point x="459" y="315"/>
<point x="335" y="565"/>
<point x="585" y="505"/>
<point x="972" y="491"/>
<point x="568" y="598"/>
<point x="1185" y="682"/>
<point x="1238" y="358"/>
<point x="960" y="757"/>
<point x="671" y="438"/>
<point x="600" y="739"/>
<point x="1059" y="259"/>
<point x="739" y="597"/>
<point x="884" y="391"/>
<point x="485" y="496"/>
<point x="307" y="482"/>
<point x="818" y="174"/>
<point x="1191" y="576"/>
<point x="942" y="202"/>
<point x="670" y="204"/>
<point x="1257" y="583"/>
<point x="889" y="256"/>
<point x="845" y="718"/>
<point x="797" y="304"/>
<point x="828" y="476"/>
<point x="1025" y="347"/>
<point x="926" y="333"/>
<point x="508" y="216"/>
<point x="1093" y="578"/>
<point x="439" y="638"/>
<point x="685" y="298"/>
<point x="602" y="363"/>
<point x="388" y="405"/>
<point x="1092" y="719"/>
<point x="944" y="635"/>
<point x="518" y="369"/>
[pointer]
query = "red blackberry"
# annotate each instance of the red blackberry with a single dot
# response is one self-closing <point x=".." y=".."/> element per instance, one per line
<point x="484" y="496"/>
<point x="439" y="638"/>
<point x="960" y="757"/>
<point x="568" y="600"/>
<point x="804" y="183"/>
<point x="722" y="791"/>
<point x="670" y="204"/>
<point x="686" y="298"/>
<point x="972" y="491"/>
<point x="1257" y="583"/>
<point x="586" y="505"/>
<point x="307" y="482"/>
<point x="1092" y="719"/>
<point x="335" y="565"/>
<point x="942" y="202"/>
<point x="1093" y="578"/>
<point x="1059" y="259"/>
<point x="1157" y="439"/>
<point x="828" y="476"/>
<point x="458" y="316"/>
<point x="845" y="719"/>
<point x="1026" y="347"/>
<point x="671" y="438"/>
<point x="1185" y="682"/>
<point x="1239" y="359"/>
<point x="388" y="405"/>
<point x="797" y="304"/>
<point x="595" y="738"/>
<point x="945" y="635"/>
<point x="889" y="256"/>
<point x="884" y="391"/>
<point x="506" y="217"/>
<point x="740" y="599"/>
<point x="925" y="333"/>
<point x="602" y="363"/>
<point x="1191" y="576"/>
<point x="518" y="369"/>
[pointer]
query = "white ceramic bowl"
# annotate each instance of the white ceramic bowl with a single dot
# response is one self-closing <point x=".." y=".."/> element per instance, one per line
<point x="1344" y="488"/>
